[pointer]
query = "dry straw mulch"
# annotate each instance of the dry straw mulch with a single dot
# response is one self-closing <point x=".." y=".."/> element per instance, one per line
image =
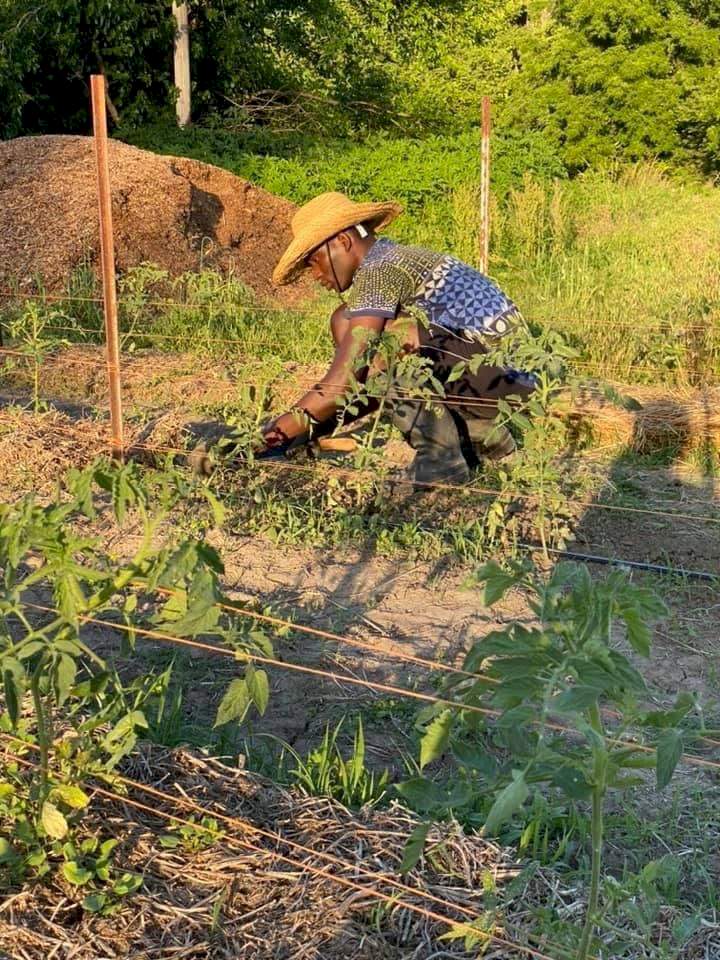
<point x="224" y="901"/>
<point x="686" y="418"/>
<point x="153" y="382"/>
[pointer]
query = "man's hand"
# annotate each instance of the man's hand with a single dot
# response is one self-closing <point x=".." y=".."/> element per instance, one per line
<point x="321" y="402"/>
<point x="278" y="444"/>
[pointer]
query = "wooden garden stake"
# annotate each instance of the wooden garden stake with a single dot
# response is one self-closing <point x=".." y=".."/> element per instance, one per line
<point x="107" y="260"/>
<point x="485" y="187"/>
<point x="182" y="63"/>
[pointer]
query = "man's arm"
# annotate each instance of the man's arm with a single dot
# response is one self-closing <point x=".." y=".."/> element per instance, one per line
<point x="321" y="402"/>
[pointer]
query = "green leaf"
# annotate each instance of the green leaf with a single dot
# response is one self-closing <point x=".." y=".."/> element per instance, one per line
<point x="169" y="841"/>
<point x="639" y="633"/>
<point x="218" y="510"/>
<point x="7" y="852"/>
<point x="414" y="847"/>
<point x="628" y="676"/>
<point x="435" y="740"/>
<point x="30" y="649"/>
<point x="125" y="725"/>
<point x="65" y="672"/>
<point x="203" y="612"/>
<point x="506" y="803"/>
<point x="234" y="704"/>
<point x="591" y="674"/>
<point x="94" y="902"/>
<point x="53" y="822"/>
<point x="421" y="793"/>
<point x="669" y="751"/>
<point x="668" y="718"/>
<point x="575" y="699"/>
<point x="71" y="795"/>
<point x="572" y="782"/>
<point x="127" y="883"/>
<point x="68" y="593"/>
<point x="76" y="874"/>
<point x="497" y="582"/>
<point x="457" y="371"/>
<point x="107" y="847"/>
<point x="13" y="676"/>
<point x="473" y="933"/>
<point x="475" y="757"/>
<point x="258" y="688"/>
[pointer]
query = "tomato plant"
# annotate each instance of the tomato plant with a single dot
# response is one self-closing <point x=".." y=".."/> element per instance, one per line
<point x="54" y="577"/>
<point x="546" y="683"/>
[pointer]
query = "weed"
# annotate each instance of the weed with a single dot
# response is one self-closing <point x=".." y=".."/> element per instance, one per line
<point x="192" y="836"/>
<point x="31" y="333"/>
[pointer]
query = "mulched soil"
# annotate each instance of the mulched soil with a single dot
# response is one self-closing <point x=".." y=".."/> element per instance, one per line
<point x="228" y="900"/>
<point x="177" y="213"/>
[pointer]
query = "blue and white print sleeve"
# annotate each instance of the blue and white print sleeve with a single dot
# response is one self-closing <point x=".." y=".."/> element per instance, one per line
<point x="379" y="291"/>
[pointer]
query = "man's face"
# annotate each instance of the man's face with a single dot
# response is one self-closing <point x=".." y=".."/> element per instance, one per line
<point x="336" y="274"/>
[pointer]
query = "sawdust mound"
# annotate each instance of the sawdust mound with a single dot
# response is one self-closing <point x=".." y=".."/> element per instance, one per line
<point x="170" y="211"/>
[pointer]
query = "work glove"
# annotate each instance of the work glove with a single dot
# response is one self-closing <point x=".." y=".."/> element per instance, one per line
<point x="278" y="446"/>
<point x="284" y="450"/>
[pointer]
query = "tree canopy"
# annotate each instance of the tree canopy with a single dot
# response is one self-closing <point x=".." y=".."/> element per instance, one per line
<point x="596" y="78"/>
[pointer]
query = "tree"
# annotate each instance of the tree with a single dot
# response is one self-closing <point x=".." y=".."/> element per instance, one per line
<point x="620" y="78"/>
<point x="48" y="50"/>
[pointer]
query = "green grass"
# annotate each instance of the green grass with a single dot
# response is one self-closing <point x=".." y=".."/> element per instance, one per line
<point x="624" y="262"/>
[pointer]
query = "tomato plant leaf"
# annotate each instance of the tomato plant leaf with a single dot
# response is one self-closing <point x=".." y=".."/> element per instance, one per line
<point x="435" y="739"/>
<point x="669" y="751"/>
<point x="13" y="684"/>
<point x="457" y="371"/>
<point x="497" y="582"/>
<point x="572" y="782"/>
<point x="414" y="847"/>
<point x="475" y="757"/>
<point x="575" y="699"/>
<point x="65" y="671"/>
<point x="510" y="799"/>
<point x="234" y="704"/>
<point x="421" y="793"/>
<point x="258" y="688"/>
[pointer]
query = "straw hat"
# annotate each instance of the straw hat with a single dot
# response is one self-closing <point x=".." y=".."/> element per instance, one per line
<point x="320" y="219"/>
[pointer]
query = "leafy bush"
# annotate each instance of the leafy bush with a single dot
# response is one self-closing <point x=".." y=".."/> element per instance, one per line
<point x="611" y="78"/>
<point x="48" y="51"/>
<point x="547" y="687"/>
<point x="45" y="659"/>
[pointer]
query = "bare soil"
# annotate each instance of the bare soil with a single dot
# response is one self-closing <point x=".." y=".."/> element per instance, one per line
<point x="396" y="606"/>
<point x="171" y="211"/>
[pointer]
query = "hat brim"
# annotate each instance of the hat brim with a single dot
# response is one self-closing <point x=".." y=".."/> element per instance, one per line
<point x="374" y="215"/>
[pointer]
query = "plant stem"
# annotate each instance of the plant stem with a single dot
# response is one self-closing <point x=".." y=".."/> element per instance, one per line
<point x="598" y="796"/>
<point x="43" y="732"/>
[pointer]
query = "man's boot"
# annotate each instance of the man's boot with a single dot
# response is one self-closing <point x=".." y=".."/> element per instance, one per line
<point x="436" y="441"/>
<point x="488" y="440"/>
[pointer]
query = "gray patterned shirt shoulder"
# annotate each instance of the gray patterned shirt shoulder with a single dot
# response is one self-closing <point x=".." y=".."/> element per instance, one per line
<point x="453" y="295"/>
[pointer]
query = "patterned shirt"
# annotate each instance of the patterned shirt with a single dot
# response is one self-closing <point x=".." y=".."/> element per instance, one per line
<point x="452" y="295"/>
